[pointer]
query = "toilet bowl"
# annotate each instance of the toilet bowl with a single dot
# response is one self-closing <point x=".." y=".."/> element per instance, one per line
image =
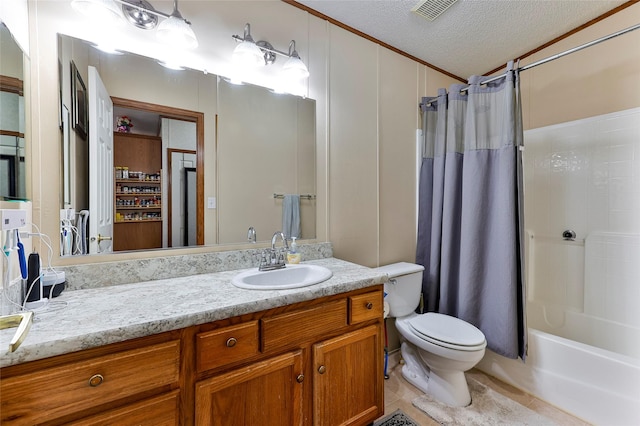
<point x="437" y="349"/>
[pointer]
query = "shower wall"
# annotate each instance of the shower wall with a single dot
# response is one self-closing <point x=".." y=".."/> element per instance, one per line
<point x="584" y="176"/>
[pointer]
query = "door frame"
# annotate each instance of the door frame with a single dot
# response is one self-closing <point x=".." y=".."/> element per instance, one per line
<point x="170" y="152"/>
<point x="184" y="115"/>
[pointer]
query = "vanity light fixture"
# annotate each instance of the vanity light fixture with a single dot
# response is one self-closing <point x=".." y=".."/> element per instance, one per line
<point x="174" y="30"/>
<point x="294" y="67"/>
<point x="139" y="14"/>
<point x="107" y="10"/>
<point x="247" y="53"/>
<point x="260" y="53"/>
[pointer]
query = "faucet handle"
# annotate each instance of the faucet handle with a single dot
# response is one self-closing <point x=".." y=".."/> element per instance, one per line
<point x="262" y="258"/>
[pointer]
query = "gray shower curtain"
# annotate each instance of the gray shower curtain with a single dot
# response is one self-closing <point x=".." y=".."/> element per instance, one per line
<point x="470" y="212"/>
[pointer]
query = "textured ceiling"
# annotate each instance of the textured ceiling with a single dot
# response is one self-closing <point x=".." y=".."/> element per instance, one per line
<point x="472" y="36"/>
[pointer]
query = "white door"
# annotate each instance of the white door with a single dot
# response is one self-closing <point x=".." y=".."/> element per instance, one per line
<point x="100" y="166"/>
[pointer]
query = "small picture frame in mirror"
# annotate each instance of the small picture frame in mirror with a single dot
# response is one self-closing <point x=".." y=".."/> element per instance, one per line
<point x="78" y="102"/>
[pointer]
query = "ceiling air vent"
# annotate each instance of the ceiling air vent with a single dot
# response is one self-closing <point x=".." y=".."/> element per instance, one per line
<point x="431" y="9"/>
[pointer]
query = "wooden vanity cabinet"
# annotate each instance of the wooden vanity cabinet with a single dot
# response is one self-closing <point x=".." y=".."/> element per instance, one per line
<point x="311" y="363"/>
<point x="266" y="393"/>
<point x="319" y="363"/>
<point x="348" y="363"/>
<point x="129" y="383"/>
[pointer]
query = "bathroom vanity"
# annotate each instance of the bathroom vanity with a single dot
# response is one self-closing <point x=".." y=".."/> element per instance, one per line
<point x="197" y="350"/>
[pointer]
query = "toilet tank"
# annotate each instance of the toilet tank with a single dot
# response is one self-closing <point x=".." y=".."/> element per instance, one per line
<point x="402" y="290"/>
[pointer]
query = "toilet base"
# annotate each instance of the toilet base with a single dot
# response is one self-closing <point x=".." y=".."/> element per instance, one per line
<point x="446" y="386"/>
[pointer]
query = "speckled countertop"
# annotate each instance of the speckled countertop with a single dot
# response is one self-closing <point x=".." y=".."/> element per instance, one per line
<point x="94" y="317"/>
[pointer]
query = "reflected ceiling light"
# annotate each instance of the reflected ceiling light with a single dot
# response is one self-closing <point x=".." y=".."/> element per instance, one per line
<point x="174" y="30"/>
<point x="247" y="53"/>
<point x="253" y="54"/>
<point x="106" y="10"/>
<point x="106" y="48"/>
<point x="171" y="65"/>
<point x="233" y="80"/>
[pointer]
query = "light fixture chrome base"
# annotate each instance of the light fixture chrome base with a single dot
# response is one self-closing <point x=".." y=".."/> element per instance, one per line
<point x="267" y="49"/>
<point x="140" y="13"/>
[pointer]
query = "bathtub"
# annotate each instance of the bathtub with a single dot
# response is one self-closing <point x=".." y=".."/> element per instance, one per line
<point x="596" y="385"/>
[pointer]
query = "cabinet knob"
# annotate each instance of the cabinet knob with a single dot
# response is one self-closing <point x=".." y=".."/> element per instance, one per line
<point x="322" y="369"/>
<point x="232" y="342"/>
<point x="300" y="378"/>
<point x="369" y="305"/>
<point x="96" y="380"/>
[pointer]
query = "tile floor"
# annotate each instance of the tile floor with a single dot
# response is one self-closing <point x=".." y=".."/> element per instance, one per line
<point x="398" y="394"/>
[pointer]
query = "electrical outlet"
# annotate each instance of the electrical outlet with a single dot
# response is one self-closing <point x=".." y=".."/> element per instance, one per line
<point x="12" y="218"/>
<point x="67" y="214"/>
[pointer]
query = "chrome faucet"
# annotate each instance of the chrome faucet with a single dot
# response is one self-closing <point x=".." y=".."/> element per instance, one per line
<point x="273" y="258"/>
<point x="251" y="235"/>
<point x="275" y="237"/>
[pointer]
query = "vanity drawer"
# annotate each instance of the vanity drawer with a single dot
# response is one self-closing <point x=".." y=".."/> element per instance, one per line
<point x="286" y="330"/>
<point x="162" y="410"/>
<point x="58" y="391"/>
<point x="364" y="307"/>
<point x="226" y="345"/>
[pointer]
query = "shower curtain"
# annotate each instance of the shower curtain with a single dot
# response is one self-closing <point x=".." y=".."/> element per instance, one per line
<point x="470" y="215"/>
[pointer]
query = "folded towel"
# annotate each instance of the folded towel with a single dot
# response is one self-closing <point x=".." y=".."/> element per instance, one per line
<point x="291" y="216"/>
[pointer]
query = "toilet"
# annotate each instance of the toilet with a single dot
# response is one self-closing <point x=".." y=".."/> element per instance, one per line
<point x="437" y="349"/>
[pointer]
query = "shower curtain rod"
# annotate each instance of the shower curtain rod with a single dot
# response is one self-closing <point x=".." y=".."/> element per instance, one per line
<point x="557" y="56"/>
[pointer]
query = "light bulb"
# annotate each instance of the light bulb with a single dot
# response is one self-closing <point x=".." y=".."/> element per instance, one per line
<point x="294" y="68"/>
<point x="248" y="54"/>
<point x="176" y="32"/>
<point x="106" y="11"/>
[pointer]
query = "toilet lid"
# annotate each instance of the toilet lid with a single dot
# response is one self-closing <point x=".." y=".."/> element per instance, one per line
<point x="447" y="331"/>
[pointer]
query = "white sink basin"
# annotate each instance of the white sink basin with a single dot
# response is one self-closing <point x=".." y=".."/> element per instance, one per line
<point x="292" y="276"/>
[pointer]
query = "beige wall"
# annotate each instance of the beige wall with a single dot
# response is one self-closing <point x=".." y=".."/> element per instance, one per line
<point x="597" y="80"/>
<point x="353" y="147"/>
<point x="374" y="98"/>
<point x="266" y="145"/>
<point x="366" y="111"/>
<point x="11" y="64"/>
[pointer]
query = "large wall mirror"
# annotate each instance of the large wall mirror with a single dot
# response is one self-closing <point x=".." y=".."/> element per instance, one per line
<point x="194" y="160"/>
<point x="12" y="118"/>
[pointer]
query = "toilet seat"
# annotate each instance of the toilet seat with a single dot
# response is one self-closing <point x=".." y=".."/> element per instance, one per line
<point x="447" y="331"/>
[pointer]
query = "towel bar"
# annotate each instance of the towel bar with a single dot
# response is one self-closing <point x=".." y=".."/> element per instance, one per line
<point x="303" y="196"/>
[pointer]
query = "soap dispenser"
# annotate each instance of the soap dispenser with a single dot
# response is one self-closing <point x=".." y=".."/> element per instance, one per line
<point x="293" y="257"/>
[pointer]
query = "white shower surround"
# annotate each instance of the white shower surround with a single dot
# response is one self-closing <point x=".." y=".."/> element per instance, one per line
<point x="582" y="175"/>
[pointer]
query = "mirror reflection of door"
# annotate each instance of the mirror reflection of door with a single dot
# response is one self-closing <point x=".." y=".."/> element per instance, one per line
<point x="150" y="211"/>
<point x="101" y="149"/>
<point x="176" y="130"/>
<point x="12" y="118"/>
<point x="190" y="233"/>
<point x="12" y="143"/>
<point x="182" y="197"/>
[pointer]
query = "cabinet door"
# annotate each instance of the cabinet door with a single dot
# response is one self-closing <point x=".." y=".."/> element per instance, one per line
<point x="347" y="378"/>
<point x="266" y="393"/>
